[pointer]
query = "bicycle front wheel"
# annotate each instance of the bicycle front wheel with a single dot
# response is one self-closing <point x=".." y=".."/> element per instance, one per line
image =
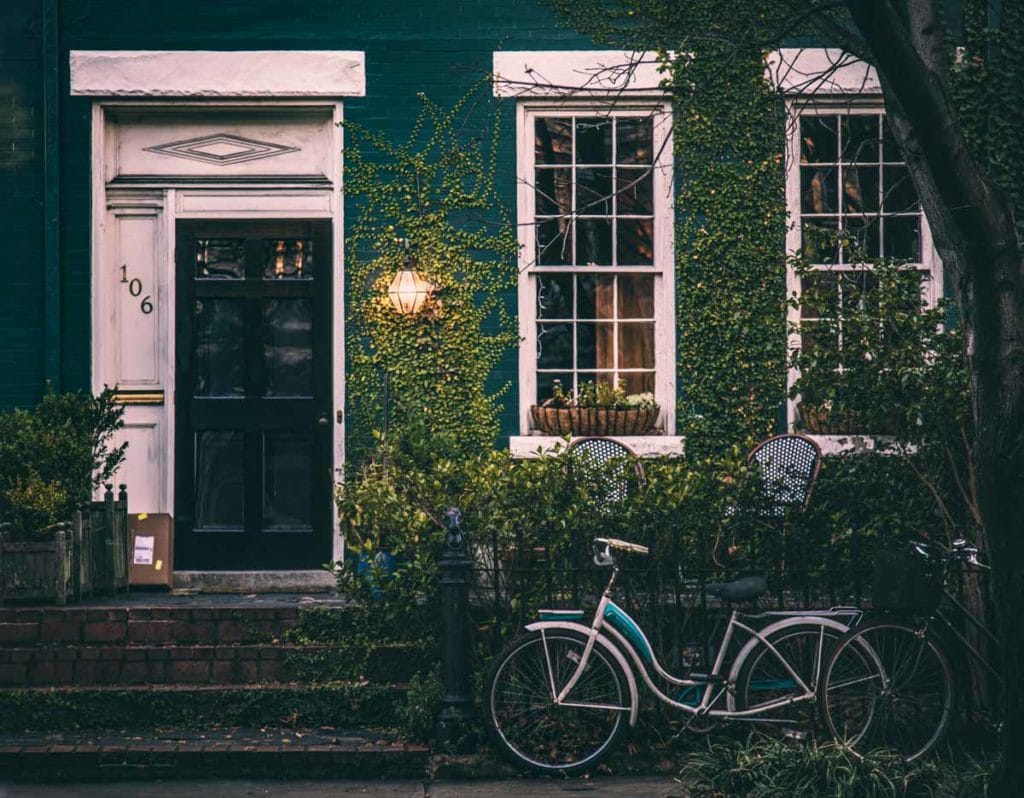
<point x="888" y="684"/>
<point x="526" y="723"/>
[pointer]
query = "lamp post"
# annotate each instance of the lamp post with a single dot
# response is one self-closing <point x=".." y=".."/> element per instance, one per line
<point x="455" y="721"/>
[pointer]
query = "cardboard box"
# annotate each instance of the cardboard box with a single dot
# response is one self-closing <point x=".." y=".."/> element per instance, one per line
<point x="152" y="549"/>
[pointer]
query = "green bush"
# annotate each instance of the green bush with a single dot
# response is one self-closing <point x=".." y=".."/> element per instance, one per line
<point x="53" y="456"/>
<point x="773" y="768"/>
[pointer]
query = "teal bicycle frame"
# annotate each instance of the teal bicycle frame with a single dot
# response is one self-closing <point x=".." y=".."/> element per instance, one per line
<point x="619" y="635"/>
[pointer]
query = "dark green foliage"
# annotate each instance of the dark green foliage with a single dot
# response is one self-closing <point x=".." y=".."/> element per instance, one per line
<point x="339" y="705"/>
<point x="436" y="190"/>
<point x="772" y="768"/>
<point x="52" y="457"/>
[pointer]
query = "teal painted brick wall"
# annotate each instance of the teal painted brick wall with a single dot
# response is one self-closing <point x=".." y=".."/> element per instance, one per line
<point x="436" y="47"/>
<point x="21" y="203"/>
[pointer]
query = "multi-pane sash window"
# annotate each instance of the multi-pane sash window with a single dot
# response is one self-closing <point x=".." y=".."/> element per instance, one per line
<point x="595" y="205"/>
<point x="852" y="201"/>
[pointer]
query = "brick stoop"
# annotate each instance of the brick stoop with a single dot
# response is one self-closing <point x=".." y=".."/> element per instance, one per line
<point x="195" y="641"/>
<point x="307" y="753"/>
<point x="197" y="662"/>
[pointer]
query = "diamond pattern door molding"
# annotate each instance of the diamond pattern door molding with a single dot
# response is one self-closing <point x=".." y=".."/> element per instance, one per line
<point x="221" y="149"/>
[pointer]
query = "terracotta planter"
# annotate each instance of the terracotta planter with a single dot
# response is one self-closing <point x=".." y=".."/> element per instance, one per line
<point x="594" y="420"/>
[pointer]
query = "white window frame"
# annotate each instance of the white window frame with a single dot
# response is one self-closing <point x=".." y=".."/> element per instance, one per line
<point x="834" y="103"/>
<point x="662" y="269"/>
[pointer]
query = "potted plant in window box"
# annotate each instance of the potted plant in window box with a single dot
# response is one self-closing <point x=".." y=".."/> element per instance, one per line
<point x="598" y="409"/>
<point x="54" y="543"/>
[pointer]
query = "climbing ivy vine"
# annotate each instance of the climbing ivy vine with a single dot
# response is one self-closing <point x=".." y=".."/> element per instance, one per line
<point x="729" y="139"/>
<point x="427" y="373"/>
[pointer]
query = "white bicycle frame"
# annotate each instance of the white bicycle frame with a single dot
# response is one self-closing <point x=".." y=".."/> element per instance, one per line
<point x="604" y="632"/>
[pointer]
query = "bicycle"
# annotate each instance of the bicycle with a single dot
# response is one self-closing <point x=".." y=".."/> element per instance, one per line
<point x="889" y="680"/>
<point x="559" y="696"/>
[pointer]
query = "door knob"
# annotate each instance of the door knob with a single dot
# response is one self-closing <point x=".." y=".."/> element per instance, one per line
<point x="323" y="421"/>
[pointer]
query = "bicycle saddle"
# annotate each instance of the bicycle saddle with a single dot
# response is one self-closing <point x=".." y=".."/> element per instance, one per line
<point x="744" y="589"/>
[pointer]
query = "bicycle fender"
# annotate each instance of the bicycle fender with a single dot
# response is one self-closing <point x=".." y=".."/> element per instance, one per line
<point x="607" y="645"/>
<point x="770" y="629"/>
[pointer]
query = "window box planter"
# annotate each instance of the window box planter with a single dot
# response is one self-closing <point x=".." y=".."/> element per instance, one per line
<point x="587" y="421"/>
<point x="818" y="420"/>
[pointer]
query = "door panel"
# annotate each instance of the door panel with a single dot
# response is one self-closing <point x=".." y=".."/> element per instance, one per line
<point x="253" y="395"/>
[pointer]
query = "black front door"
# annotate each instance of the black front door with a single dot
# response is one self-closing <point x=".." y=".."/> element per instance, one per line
<point x="253" y="395"/>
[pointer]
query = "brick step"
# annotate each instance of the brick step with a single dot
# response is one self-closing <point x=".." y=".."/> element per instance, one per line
<point x="123" y="664"/>
<point x="184" y="623"/>
<point x="339" y="704"/>
<point x="248" y="752"/>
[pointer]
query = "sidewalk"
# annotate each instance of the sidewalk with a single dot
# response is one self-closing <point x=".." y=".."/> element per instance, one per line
<point x="598" y="787"/>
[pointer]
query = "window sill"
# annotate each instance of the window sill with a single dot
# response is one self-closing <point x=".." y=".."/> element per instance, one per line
<point x="531" y="446"/>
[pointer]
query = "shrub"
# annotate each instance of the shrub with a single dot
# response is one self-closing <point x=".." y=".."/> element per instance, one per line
<point x="772" y="768"/>
<point x="53" y="456"/>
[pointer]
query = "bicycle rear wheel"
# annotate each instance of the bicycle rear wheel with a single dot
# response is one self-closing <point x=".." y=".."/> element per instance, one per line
<point x="888" y="684"/>
<point x="525" y="722"/>
<point x="764" y="680"/>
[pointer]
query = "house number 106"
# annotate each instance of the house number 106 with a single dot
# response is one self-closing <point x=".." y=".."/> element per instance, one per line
<point x="135" y="289"/>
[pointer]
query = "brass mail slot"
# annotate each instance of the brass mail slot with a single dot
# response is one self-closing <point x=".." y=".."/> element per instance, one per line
<point x="139" y="397"/>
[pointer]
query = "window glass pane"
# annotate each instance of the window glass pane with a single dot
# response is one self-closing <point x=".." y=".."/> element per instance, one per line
<point x="636" y="345"/>
<point x="220" y="258"/>
<point x="860" y="138"/>
<point x="595" y="345"/>
<point x="288" y="347"/>
<point x="818" y="139"/>
<point x="636" y="297"/>
<point x="890" y="150"/>
<point x="903" y="237"/>
<point x="818" y="190"/>
<point x="219" y="487"/>
<point x="219" y="356"/>
<point x="554" y="296"/>
<point x="861" y="239"/>
<point x="594" y="140"/>
<point x="594" y="192"/>
<point x="595" y="295"/>
<point x="552" y="140"/>
<point x="288" y="259"/>
<point x="635" y="242"/>
<point x="637" y="382"/>
<point x="860" y="189"/>
<point x="554" y="242"/>
<point x="553" y="189"/>
<point x="634" y="140"/>
<point x="818" y="240"/>
<point x="819" y="297"/>
<point x="554" y="346"/>
<point x="594" y="242"/>
<point x="287" y="480"/>
<point x="634" y="191"/>
<point x="546" y="382"/>
<point x="900" y="195"/>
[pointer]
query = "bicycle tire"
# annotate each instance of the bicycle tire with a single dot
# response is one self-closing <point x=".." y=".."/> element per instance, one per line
<point x="888" y="684"/>
<point x="762" y="677"/>
<point x="529" y="728"/>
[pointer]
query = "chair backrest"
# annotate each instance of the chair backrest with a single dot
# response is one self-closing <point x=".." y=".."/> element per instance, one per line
<point x="789" y="466"/>
<point x="608" y="463"/>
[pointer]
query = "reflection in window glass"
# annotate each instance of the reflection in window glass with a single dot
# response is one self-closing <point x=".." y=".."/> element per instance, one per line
<point x="219" y="348"/>
<point x="220" y="258"/>
<point x="219" y="480"/>
<point x="287" y="480"/>
<point x="288" y="259"/>
<point x="288" y="347"/>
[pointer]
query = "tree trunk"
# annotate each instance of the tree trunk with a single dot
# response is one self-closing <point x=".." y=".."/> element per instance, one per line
<point x="974" y="233"/>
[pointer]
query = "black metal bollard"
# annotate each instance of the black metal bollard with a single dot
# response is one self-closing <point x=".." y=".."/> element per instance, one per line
<point x="455" y="731"/>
